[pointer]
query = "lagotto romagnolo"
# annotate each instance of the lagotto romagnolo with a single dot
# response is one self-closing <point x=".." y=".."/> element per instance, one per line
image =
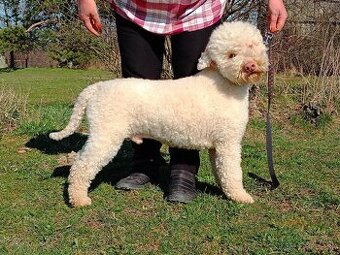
<point x="207" y="110"/>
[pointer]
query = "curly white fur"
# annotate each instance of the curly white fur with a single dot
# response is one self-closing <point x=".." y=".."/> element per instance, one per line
<point x="208" y="110"/>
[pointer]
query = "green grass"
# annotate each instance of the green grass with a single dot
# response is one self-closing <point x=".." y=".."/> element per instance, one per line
<point x="51" y="85"/>
<point x="300" y="217"/>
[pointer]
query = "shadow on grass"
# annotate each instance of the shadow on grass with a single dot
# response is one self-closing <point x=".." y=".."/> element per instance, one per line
<point x="107" y="175"/>
<point x="48" y="146"/>
<point x="7" y="70"/>
<point x="208" y="188"/>
<point x="119" y="167"/>
<point x="112" y="176"/>
<point x="263" y="182"/>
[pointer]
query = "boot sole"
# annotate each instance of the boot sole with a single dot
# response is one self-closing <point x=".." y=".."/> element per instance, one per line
<point x="181" y="198"/>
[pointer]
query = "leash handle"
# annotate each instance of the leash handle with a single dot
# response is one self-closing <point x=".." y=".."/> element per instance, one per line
<point x="268" y="37"/>
<point x="270" y="74"/>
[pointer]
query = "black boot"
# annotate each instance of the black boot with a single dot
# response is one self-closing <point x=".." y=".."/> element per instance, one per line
<point x="144" y="172"/>
<point x="182" y="187"/>
<point x="146" y="162"/>
<point x="184" y="165"/>
<point x="133" y="181"/>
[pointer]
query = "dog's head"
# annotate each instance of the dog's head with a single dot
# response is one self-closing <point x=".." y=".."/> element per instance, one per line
<point x="236" y="49"/>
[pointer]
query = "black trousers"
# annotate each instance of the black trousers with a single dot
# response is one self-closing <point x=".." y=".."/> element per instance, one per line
<point x="142" y="57"/>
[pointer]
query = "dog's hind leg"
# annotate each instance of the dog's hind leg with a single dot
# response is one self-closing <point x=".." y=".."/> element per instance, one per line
<point x="229" y="172"/>
<point x="97" y="152"/>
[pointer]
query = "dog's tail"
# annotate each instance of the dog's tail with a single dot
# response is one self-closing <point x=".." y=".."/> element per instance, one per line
<point x="77" y="114"/>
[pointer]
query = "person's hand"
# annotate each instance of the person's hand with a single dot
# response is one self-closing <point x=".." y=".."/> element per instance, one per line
<point x="277" y="15"/>
<point x="88" y="14"/>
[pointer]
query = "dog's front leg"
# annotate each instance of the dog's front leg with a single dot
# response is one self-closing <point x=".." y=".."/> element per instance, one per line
<point x="227" y="165"/>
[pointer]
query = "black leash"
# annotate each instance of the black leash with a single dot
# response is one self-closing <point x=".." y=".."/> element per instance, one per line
<point x="270" y="84"/>
<point x="274" y="183"/>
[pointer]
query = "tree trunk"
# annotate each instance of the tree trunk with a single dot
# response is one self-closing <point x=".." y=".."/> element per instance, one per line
<point x="11" y="60"/>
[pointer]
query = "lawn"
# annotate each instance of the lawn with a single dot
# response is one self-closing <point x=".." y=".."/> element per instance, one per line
<point x="300" y="217"/>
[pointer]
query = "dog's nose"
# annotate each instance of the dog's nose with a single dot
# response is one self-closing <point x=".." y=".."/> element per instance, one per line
<point x="250" y="67"/>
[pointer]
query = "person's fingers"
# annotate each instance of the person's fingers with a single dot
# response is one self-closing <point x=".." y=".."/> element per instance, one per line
<point x="97" y="27"/>
<point x="89" y="25"/>
<point x="281" y="21"/>
<point x="96" y="24"/>
<point x="277" y="15"/>
<point x="273" y="19"/>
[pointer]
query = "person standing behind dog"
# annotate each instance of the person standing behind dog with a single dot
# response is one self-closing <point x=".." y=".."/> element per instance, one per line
<point x="141" y="30"/>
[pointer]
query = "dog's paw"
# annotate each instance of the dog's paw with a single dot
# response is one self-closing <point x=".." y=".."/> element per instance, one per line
<point x="242" y="197"/>
<point x="54" y="136"/>
<point x="80" y="201"/>
<point x="138" y="139"/>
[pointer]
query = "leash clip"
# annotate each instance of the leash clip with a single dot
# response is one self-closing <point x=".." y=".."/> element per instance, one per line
<point x="268" y="36"/>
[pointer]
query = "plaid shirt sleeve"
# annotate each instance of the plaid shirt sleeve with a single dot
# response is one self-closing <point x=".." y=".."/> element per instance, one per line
<point x="170" y="16"/>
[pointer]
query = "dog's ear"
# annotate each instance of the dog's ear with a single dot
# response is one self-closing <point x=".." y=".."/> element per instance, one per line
<point x="204" y="61"/>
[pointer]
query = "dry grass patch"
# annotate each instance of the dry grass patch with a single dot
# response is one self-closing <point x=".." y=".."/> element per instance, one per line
<point x="13" y="106"/>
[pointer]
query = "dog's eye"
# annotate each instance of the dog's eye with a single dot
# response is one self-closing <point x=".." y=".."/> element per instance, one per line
<point x="231" y="55"/>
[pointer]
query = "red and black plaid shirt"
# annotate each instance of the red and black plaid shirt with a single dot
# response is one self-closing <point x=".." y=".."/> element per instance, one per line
<point x="170" y="16"/>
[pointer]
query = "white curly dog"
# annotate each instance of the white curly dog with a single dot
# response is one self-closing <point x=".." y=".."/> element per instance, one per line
<point x="207" y="110"/>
